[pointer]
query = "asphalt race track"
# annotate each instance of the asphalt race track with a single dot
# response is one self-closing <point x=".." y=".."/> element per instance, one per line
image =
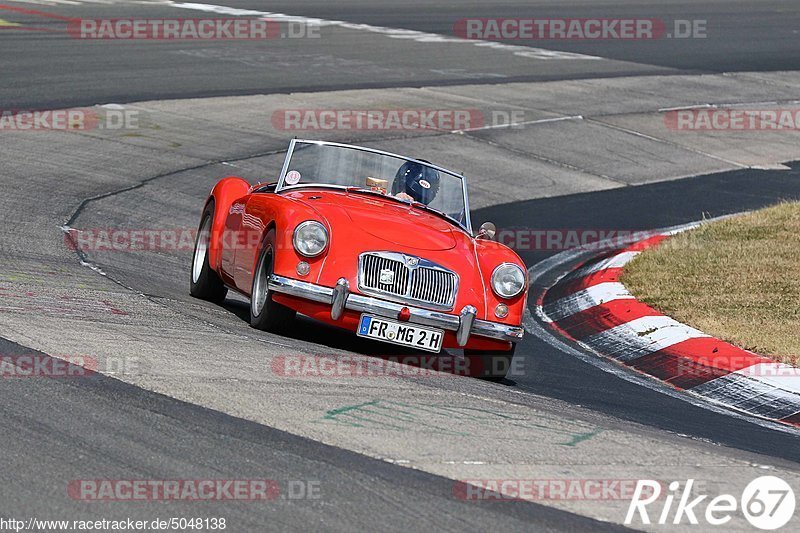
<point x="186" y="390"/>
<point x="740" y="38"/>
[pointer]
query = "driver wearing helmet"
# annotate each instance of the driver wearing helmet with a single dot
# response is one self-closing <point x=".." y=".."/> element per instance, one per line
<point x="416" y="182"/>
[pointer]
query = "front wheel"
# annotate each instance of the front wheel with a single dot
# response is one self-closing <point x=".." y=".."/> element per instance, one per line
<point x="266" y="314"/>
<point x="491" y="366"/>
<point x="205" y="283"/>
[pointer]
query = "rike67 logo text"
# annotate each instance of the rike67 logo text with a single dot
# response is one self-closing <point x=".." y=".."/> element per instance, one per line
<point x="767" y="503"/>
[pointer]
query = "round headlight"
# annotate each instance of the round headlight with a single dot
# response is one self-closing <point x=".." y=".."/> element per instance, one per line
<point x="508" y="280"/>
<point x="310" y="238"/>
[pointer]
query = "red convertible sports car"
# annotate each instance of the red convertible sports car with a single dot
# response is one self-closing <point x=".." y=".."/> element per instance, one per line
<point x="369" y="241"/>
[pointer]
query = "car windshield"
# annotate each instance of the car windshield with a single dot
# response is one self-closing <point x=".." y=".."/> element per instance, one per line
<point x="416" y="182"/>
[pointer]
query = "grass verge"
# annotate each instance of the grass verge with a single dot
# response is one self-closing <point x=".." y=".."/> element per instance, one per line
<point x="737" y="279"/>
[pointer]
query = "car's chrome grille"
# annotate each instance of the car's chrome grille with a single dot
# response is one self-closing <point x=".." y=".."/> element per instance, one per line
<point x="373" y="265"/>
<point x="432" y="285"/>
<point x="407" y="278"/>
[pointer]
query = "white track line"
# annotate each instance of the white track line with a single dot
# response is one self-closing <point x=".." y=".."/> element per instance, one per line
<point x="394" y="33"/>
<point x="519" y="124"/>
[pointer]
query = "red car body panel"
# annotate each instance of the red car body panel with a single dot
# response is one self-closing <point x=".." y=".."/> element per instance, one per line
<point x="356" y="223"/>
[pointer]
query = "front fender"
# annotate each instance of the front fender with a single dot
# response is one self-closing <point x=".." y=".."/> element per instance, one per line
<point x="490" y="254"/>
<point x="283" y="213"/>
<point x="225" y="192"/>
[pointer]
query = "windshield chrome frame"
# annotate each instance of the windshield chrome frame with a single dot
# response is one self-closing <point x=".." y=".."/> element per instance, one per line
<point x="280" y="186"/>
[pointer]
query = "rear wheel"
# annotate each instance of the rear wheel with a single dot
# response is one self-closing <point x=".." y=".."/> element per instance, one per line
<point x="205" y="283"/>
<point x="266" y="314"/>
<point x="491" y="366"/>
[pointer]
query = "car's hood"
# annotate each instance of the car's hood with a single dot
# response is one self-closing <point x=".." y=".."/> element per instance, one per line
<point x="366" y="223"/>
<point x="396" y="223"/>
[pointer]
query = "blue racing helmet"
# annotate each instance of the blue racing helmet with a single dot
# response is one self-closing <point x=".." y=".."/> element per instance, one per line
<point x="418" y="181"/>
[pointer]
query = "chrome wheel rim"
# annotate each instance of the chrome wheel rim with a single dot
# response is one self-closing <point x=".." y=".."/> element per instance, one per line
<point x="260" y="285"/>
<point x="201" y="249"/>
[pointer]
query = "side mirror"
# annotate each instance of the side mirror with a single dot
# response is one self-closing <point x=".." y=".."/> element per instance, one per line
<point x="487" y="231"/>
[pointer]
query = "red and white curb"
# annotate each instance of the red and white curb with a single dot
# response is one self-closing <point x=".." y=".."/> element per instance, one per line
<point x="591" y="307"/>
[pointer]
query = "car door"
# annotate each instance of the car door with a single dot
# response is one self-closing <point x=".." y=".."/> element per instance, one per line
<point x="253" y="220"/>
<point x="230" y="237"/>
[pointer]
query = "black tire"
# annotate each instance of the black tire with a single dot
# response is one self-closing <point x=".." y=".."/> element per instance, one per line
<point x="491" y="366"/>
<point x="204" y="282"/>
<point x="266" y="314"/>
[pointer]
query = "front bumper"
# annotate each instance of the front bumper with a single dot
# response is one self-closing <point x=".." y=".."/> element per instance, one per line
<point x="340" y="298"/>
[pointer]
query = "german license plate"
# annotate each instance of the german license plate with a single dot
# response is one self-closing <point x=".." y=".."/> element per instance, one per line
<point x="402" y="333"/>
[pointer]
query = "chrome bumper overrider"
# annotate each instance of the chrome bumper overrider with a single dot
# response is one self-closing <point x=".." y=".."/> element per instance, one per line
<point x="340" y="298"/>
